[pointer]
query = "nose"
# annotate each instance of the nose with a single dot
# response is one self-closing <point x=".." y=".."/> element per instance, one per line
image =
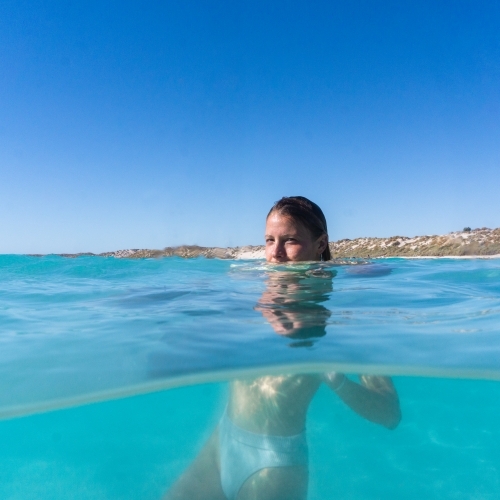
<point x="279" y="251"/>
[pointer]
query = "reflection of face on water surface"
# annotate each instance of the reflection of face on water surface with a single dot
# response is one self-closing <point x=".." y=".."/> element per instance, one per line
<point x="292" y="302"/>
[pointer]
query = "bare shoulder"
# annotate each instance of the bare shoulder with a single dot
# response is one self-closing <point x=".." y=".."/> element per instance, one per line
<point x="378" y="383"/>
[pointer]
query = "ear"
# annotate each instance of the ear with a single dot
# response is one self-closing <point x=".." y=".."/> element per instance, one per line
<point x="322" y="243"/>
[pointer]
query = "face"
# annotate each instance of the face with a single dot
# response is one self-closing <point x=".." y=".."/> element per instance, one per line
<point x="290" y="241"/>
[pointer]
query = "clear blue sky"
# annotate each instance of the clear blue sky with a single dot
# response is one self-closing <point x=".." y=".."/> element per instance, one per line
<point x="150" y="124"/>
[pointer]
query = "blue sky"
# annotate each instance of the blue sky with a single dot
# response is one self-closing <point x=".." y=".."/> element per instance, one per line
<point x="150" y="124"/>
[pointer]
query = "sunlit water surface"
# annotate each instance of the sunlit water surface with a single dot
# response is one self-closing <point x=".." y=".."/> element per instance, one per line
<point x="152" y="343"/>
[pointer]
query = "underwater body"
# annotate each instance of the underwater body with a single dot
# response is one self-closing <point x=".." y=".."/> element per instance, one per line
<point x="115" y="372"/>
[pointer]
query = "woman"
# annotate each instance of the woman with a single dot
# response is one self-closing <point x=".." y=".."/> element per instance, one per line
<point x="259" y="449"/>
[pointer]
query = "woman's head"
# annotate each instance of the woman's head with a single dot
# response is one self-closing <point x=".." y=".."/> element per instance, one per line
<point x="296" y="231"/>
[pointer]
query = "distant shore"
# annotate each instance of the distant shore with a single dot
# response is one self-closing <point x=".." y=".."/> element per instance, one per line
<point x="482" y="242"/>
<point x="474" y="243"/>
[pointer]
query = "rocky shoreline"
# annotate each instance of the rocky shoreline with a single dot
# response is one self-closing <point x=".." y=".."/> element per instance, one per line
<point x="481" y="242"/>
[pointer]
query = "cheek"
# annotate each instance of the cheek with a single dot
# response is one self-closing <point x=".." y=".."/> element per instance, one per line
<point x="304" y="252"/>
<point x="269" y="252"/>
<point x="296" y="251"/>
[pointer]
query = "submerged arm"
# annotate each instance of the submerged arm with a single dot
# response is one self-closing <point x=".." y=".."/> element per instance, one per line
<point x="375" y="398"/>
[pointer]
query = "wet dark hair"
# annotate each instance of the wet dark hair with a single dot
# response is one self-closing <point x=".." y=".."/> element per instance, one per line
<point x="306" y="212"/>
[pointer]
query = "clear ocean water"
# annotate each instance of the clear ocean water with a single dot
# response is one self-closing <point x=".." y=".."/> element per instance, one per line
<point x="115" y="372"/>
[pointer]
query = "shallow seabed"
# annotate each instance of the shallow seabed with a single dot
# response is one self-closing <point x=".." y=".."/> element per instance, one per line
<point x="87" y="330"/>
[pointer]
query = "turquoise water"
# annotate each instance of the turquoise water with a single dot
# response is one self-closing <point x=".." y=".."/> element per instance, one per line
<point x="446" y="446"/>
<point x="152" y="344"/>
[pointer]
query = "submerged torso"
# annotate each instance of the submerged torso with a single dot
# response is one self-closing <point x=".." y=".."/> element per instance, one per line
<point x="273" y="405"/>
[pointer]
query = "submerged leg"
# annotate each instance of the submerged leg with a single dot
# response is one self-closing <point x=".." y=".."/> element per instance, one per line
<point x="201" y="480"/>
<point x="276" y="483"/>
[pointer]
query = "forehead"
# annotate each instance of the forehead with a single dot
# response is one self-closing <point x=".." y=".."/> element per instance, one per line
<point x="284" y="224"/>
